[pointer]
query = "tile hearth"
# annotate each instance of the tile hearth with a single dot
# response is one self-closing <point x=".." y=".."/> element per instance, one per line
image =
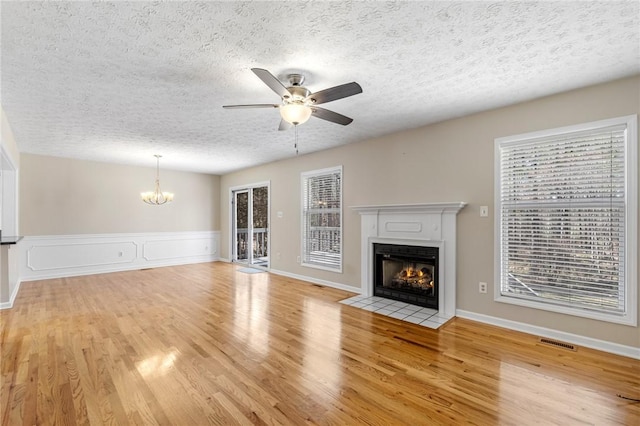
<point x="425" y="317"/>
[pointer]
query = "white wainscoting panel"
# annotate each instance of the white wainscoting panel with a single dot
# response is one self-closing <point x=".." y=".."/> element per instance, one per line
<point x="78" y="255"/>
<point x="43" y="257"/>
<point x="175" y="249"/>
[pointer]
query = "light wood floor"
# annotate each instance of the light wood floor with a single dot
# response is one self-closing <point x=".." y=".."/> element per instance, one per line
<point x="205" y="344"/>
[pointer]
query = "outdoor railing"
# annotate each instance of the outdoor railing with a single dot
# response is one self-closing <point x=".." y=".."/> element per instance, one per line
<point x="260" y="243"/>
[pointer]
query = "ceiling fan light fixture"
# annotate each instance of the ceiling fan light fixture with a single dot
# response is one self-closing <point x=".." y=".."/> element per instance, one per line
<point x="295" y="113"/>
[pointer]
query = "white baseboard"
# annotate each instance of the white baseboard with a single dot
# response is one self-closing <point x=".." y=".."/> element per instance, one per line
<point x="46" y="257"/>
<point x="12" y="298"/>
<point x="304" y="278"/>
<point x="601" y="345"/>
<point x="339" y="286"/>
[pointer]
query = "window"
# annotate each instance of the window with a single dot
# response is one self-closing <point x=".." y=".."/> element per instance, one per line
<point x="566" y="217"/>
<point x="322" y="219"/>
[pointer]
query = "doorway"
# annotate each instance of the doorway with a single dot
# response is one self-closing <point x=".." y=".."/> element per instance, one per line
<point x="250" y="225"/>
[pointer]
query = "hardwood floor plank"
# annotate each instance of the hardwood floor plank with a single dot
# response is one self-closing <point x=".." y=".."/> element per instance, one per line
<point x="29" y="403"/>
<point x="204" y="344"/>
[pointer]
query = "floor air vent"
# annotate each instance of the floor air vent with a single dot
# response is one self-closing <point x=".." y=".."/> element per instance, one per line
<point x="558" y="344"/>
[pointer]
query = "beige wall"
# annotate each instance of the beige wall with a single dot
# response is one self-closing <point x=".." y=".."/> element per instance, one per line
<point x="61" y="196"/>
<point x="448" y="161"/>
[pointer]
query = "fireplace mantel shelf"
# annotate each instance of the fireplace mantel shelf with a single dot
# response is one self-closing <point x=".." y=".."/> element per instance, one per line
<point x="411" y="208"/>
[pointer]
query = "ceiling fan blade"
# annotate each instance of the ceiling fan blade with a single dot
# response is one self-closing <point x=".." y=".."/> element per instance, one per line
<point x="334" y="93"/>
<point x="334" y="117"/>
<point x="250" y="106"/>
<point x="285" y="125"/>
<point x="273" y="83"/>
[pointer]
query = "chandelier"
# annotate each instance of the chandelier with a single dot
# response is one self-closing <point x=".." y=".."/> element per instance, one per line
<point x="157" y="197"/>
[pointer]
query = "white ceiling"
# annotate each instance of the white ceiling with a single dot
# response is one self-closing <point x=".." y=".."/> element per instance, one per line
<point x="121" y="81"/>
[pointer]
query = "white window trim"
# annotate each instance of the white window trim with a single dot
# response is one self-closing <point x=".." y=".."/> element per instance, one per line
<point x="631" y="224"/>
<point x="318" y="172"/>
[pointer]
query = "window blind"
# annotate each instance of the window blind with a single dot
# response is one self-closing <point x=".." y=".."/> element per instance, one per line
<point x="322" y="219"/>
<point x="562" y="220"/>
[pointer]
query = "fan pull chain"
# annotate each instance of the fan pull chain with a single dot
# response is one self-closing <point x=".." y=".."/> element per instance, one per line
<point x="295" y="145"/>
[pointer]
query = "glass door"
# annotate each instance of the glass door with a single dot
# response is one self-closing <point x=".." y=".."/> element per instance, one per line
<point x="260" y="226"/>
<point x="251" y="226"/>
<point x="241" y="226"/>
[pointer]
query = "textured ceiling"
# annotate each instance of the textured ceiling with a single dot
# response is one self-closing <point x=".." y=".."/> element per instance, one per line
<point x="121" y="81"/>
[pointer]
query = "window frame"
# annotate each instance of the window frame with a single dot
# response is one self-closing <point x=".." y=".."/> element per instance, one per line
<point x="303" y="211"/>
<point x="630" y="315"/>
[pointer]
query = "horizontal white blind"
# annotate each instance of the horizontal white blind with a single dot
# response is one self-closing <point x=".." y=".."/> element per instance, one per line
<point x="562" y="220"/>
<point x="322" y="218"/>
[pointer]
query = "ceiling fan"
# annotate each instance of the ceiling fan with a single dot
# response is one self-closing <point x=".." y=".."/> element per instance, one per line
<point x="298" y="103"/>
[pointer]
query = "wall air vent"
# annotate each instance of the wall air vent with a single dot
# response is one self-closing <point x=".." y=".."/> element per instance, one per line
<point x="558" y="344"/>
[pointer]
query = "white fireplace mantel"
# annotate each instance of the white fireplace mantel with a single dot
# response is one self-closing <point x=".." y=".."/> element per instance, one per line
<point x="411" y="208"/>
<point x="426" y="224"/>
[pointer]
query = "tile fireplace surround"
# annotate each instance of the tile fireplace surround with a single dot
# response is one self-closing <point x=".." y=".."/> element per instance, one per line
<point x="427" y="225"/>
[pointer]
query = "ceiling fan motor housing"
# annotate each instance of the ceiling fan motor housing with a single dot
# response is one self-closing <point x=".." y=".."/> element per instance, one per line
<point x="298" y="93"/>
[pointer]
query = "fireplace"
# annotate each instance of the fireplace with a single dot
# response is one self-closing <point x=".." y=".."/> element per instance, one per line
<point x="427" y="225"/>
<point x="406" y="273"/>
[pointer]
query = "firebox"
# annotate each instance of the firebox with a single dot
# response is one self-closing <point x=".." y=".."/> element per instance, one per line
<point x="406" y="273"/>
